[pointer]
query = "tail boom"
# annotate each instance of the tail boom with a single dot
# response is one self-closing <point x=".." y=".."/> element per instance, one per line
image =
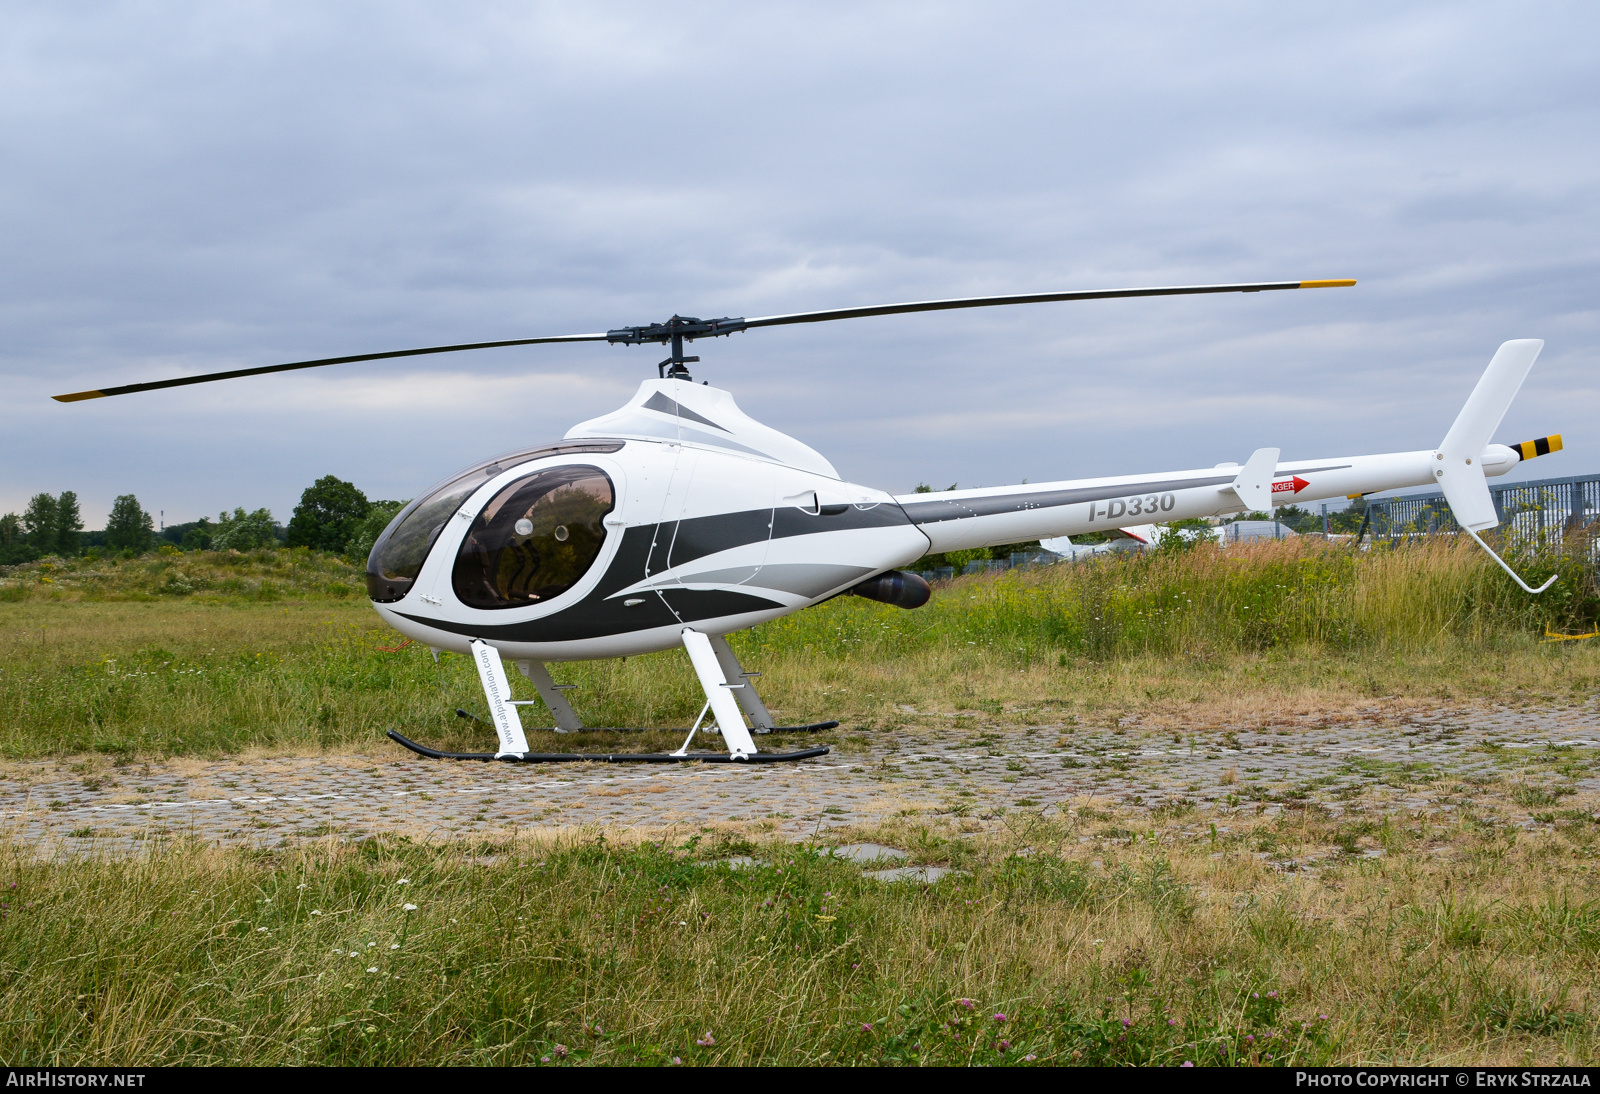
<point x="961" y="519"/>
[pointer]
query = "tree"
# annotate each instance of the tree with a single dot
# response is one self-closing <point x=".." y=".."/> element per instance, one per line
<point x="245" y="531"/>
<point x="13" y="544"/>
<point x="69" y="524"/>
<point x="328" y="515"/>
<point x="39" y="523"/>
<point x="367" y="532"/>
<point x="197" y="536"/>
<point x="129" y="527"/>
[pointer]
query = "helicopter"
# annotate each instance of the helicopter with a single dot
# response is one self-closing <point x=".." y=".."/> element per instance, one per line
<point x="678" y="519"/>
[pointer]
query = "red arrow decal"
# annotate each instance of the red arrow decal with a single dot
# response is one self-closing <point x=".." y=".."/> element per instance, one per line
<point x="1290" y="486"/>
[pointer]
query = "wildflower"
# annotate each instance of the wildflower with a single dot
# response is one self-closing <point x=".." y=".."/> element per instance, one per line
<point x="371" y="944"/>
<point x="560" y="1052"/>
<point x="374" y="968"/>
<point x="855" y="966"/>
<point x="1250" y="1037"/>
<point x="999" y="1017"/>
<point x="262" y="930"/>
<point x="1004" y="1045"/>
<point x="544" y="1059"/>
<point x="1030" y="1056"/>
<point x="1126" y="1023"/>
<point x="355" y="953"/>
<point x="968" y="1003"/>
<point x="866" y="1027"/>
<point x="412" y="908"/>
<point x="677" y="1059"/>
<point x="1255" y="995"/>
<point x="404" y="881"/>
<point x="1172" y="1021"/>
<point x="1272" y="995"/>
<point x="316" y="911"/>
<point x="707" y="1041"/>
<point x="394" y="945"/>
<point x="302" y="885"/>
<point x="1187" y="1063"/>
<point x="1324" y="1017"/>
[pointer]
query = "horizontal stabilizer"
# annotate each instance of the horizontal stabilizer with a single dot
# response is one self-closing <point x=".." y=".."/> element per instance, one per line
<point x="1253" y="484"/>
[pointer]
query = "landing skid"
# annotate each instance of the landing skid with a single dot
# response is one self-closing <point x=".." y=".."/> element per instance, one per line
<point x="614" y="757"/>
<point x="814" y="727"/>
<point x="714" y="664"/>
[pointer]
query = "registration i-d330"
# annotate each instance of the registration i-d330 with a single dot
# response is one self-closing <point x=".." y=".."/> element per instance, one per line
<point x="678" y="519"/>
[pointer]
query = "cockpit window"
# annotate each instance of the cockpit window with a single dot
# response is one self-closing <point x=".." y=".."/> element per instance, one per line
<point x="535" y="539"/>
<point x="398" y="554"/>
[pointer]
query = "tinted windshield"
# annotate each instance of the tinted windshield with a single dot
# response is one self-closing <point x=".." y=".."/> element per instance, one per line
<point x="535" y="539"/>
<point x="398" y="554"/>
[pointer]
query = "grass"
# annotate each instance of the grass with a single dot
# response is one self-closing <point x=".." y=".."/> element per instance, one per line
<point x="1110" y="936"/>
<point x="210" y="654"/>
<point x="1465" y="943"/>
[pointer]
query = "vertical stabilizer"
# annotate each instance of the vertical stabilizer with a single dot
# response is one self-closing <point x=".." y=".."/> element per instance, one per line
<point x="1458" y="463"/>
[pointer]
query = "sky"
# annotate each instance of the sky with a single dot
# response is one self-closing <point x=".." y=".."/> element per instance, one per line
<point x="195" y="187"/>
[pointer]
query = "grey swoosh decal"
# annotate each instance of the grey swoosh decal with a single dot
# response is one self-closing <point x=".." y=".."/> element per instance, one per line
<point x="664" y="405"/>
<point x="932" y="512"/>
<point x="807" y="579"/>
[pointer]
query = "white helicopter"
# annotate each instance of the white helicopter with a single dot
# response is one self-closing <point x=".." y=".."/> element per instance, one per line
<point x="678" y="520"/>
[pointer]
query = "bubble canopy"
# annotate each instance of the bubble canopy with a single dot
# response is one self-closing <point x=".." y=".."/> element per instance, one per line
<point x="535" y="539"/>
<point x="399" y="553"/>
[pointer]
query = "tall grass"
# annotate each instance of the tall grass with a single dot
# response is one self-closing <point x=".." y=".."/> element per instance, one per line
<point x="1295" y="594"/>
<point x="275" y="649"/>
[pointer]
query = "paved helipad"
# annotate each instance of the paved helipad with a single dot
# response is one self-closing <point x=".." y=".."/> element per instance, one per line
<point x="1521" y="766"/>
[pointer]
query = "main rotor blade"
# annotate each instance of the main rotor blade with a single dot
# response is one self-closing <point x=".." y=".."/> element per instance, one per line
<point x="129" y="389"/>
<point x="1033" y="298"/>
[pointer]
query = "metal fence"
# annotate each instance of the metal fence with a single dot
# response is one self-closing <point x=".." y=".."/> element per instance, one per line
<point x="1541" y="511"/>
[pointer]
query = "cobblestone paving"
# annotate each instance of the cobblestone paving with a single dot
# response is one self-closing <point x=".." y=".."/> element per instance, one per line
<point x="1510" y="763"/>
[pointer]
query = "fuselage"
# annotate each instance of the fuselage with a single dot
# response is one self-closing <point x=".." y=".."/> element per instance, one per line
<point x="680" y="511"/>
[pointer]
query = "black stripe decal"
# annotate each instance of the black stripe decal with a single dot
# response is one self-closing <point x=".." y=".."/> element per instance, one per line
<point x="932" y="512"/>
<point x="599" y="616"/>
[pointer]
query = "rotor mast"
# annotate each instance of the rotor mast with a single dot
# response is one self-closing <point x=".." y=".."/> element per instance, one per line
<point x="675" y="331"/>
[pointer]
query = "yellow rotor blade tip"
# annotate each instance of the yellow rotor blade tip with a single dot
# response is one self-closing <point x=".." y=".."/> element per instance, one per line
<point x="1337" y="283"/>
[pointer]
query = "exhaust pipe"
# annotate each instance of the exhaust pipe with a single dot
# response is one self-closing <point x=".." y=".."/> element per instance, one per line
<point x="900" y="589"/>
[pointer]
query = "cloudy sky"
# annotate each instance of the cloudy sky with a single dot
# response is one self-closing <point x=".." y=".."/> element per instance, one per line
<point x="192" y="187"/>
